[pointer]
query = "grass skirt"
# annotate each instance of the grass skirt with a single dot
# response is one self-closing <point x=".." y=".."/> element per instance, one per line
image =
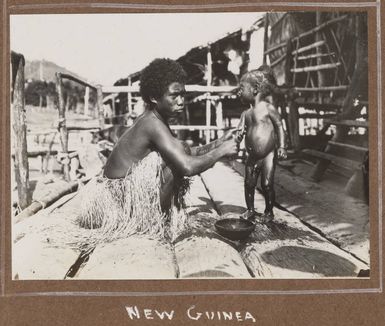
<point x="118" y="208"/>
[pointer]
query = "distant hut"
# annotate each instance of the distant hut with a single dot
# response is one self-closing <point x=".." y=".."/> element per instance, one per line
<point x="321" y="61"/>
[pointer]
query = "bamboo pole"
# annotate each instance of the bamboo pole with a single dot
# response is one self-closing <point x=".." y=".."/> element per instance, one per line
<point x="276" y="47"/>
<point x="314" y="56"/>
<point x="48" y="200"/>
<point x="308" y="47"/>
<point x="20" y="133"/>
<point x="321" y="89"/>
<point x="265" y="37"/>
<point x="280" y="59"/>
<point x="208" y="102"/>
<point x="320" y="27"/>
<point x="129" y="97"/>
<point x="320" y="76"/>
<point x="62" y="126"/>
<point x="317" y="68"/>
<point x="219" y="117"/>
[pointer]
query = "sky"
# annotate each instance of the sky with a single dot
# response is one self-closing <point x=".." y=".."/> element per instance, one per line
<point x="105" y="47"/>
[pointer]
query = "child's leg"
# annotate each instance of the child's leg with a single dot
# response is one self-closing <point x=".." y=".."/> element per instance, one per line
<point x="252" y="171"/>
<point x="267" y="184"/>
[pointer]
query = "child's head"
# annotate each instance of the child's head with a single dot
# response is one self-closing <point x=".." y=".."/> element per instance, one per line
<point x="260" y="80"/>
<point x="157" y="76"/>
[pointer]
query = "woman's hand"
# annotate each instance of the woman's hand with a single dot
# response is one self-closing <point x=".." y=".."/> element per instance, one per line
<point x="230" y="147"/>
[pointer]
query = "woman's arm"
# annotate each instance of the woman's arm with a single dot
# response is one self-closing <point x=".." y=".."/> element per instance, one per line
<point x="173" y="152"/>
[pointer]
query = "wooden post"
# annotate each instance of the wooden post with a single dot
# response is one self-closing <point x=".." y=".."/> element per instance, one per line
<point x="100" y="106"/>
<point x="219" y="117"/>
<point x="265" y="38"/>
<point x="129" y="98"/>
<point x="86" y="101"/>
<point x="20" y="133"/>
<point x="318" y="38"/>
<point x="294" y="125"/>
<point x="62" y="126"/>
<point x="208" y="101"/>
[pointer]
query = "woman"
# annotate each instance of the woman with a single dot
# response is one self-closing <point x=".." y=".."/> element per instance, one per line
<point x="147" y="166"/>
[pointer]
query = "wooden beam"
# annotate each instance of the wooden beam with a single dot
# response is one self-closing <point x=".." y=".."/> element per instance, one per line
<point x="317" y="68"/>
<point x="20" y="133"/>
<point x="321" y="89"/>
<point x="195" y="127"/>
<point x="320" y="27"/>
<point x="319" y="106"/>
<point x="189" y="89"/>
<point x="308" y="47"/>
<point x="78" y="80"/>
<point x="348" y="123"/>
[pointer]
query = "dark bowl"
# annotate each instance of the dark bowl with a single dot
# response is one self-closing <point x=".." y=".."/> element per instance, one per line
<point x="234" y="228"/>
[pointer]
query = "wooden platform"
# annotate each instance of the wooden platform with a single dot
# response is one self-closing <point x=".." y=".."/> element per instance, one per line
<point x="285" y="248"/>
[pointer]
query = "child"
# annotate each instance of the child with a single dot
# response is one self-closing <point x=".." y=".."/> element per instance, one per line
<point x="260" y="124"/>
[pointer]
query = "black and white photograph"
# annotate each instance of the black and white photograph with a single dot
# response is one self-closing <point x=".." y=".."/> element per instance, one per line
<point x="166" y="146"/>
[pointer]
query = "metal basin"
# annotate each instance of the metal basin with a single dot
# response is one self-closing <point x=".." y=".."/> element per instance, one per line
<point x="234" y="228"/>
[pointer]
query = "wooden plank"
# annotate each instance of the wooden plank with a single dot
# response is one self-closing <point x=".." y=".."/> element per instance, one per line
<point x="317" y="68"/>
<point x="137" y="257"/>
<point x="285" y="248"/>
<point x="41" y="249"/>
<point x="349" y="123"/>
<point x="203" y="253"/>
<point x="340" y="161"/>
<point x="343" y="219"/>
<point x="349" y="146"/>
<point x="206" y="257"/>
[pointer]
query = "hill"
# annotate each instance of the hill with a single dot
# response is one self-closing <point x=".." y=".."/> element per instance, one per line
<point x="42" y="69"/>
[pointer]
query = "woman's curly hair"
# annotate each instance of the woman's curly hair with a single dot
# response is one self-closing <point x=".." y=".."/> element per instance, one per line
<point x="157" y="76"/>
<point x="262" y="79"/>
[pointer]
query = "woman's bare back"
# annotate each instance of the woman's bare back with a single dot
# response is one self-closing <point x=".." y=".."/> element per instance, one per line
<point x="132" y="147"/>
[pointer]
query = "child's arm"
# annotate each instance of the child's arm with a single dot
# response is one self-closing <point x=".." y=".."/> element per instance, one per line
<point x="277" y="122"/>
